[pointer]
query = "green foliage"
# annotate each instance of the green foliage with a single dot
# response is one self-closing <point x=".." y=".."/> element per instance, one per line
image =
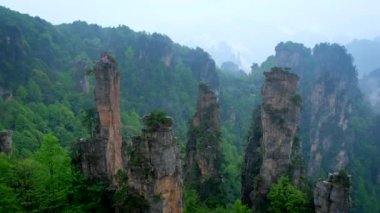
<point x="156" y="120"/>
<point x="8" y="198"/>
<point x="342" y="179"/>
<point x="194" y="205"/>
<point x="284" y="197"/>
<point x="38" y="66"/>
<point x="45" y="182"/>
<point x="53" y="175"/>
<point x="131" y="122"/>
<point x="90" y="120"/>
<point x="231" y="168"/>
<point x="296" y="99"/>
<point x="238" y="207"/>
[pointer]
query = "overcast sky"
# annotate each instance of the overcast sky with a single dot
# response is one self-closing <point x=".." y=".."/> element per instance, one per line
<point x="252" y="28"/>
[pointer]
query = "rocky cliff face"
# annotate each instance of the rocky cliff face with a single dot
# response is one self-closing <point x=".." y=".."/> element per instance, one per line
<point x="334" y="91"/>
<point x="154" y="170"/>
<point x="273" y="146"/>
<point x="370" y="86"/>
<point x="203" y="156"/>
<point x="6" y="141"/>
<point x="328" y="89"/>
<point x="107" y="99"/>
<point x="280" y="117"/>
<point x="101" y="155"/>
<point x="332" y="195"/>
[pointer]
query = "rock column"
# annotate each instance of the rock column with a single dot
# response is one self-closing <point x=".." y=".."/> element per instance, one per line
<point x="333" y="194"/>
<point x="154" y="169"/>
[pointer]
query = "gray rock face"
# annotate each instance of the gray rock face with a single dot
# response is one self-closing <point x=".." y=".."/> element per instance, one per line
<point x="6" y="141"/>
<point x="330" y="112"/>
<point x="328" y="86"/>
<point x="280" y="120"/>
<point x="273" y="146"/>
<point x="154" y="170"/>
<point x="333" y="195"/>
<point x="91" y="158"/>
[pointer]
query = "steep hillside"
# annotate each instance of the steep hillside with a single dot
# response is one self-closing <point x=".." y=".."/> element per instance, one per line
<point x="42" y="69"/>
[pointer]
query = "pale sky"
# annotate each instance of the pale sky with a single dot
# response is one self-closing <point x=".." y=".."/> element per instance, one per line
<point x="252" y="28"/>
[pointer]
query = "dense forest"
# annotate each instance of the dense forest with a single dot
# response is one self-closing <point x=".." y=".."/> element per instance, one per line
<point x="47" y="81"/>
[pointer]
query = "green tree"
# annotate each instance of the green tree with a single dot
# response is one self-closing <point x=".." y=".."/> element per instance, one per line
<point x="34" y="92"/>
<point x="54" y="175"/>
<point x="157" y="119"/>
<point x="8" y="198"/>
<point x="286" y="198"/>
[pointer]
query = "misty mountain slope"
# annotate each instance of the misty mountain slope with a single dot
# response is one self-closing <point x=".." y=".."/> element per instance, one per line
<point x="366" y="54"/>
<point x="46" y="87"/>
<point x="370" y="85"/>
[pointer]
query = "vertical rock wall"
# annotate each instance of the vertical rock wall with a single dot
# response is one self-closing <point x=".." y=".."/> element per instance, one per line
<point x="100" y="156"/>
<point x="154" y="169"/>
<point x="269" y="153"/>
<point x="328" y="88"/>
<point x="280" y="117"/>
<point x="107" y="99"/>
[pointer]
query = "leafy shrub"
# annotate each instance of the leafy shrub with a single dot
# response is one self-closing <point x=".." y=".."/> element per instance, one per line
<point x="156" y="120"/>
<point x="284" y="197"/>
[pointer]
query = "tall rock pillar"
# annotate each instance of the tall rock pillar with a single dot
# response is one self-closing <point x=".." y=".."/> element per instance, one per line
<point x="273" y="144"/>
<point x="100" y="157"/>
<point x="107" y="98"/>
<point x="203" y="157"/>
<point x="154" y="168"/>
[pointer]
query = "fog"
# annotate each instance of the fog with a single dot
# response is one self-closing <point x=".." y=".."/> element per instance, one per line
<point x="243" y="31"/>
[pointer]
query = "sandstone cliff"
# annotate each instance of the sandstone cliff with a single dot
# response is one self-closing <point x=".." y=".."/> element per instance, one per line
<point x="153" y="167"/>
<point x="333" y="194"/>
<point x="100" y="157"/>
<point x="6" y="141"/>
<point x="273" y="145"/>
<point x="203" y="157"/>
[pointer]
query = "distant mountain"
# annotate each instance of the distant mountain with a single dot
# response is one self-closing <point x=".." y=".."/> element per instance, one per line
<point x="366" y="54"/>
<point x="231" y="67"/>
<point x="370" y="86"/>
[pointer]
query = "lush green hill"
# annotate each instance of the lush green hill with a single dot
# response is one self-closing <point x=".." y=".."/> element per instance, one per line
<point x="40" y="62"/>
<point x="43" y="93"/>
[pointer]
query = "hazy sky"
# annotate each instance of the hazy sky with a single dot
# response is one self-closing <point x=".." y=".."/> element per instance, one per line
<point x="251" y="28"/>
